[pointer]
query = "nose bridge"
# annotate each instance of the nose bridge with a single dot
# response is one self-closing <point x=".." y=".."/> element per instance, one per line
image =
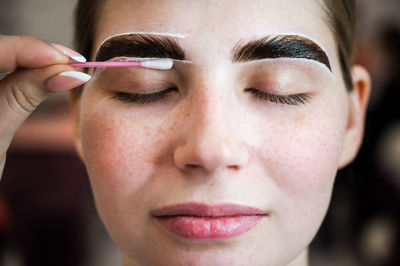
<point x="211" y="141"/>
<point x="210" y="106"/>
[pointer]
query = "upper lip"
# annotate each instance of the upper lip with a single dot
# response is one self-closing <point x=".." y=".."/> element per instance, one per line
<point x="204" y="210"/>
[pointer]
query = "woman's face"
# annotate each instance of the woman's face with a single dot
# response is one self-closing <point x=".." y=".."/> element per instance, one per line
<point x="232" y="158"/>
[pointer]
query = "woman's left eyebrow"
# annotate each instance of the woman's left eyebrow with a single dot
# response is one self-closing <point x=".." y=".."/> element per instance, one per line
<point x="281" y="46"/>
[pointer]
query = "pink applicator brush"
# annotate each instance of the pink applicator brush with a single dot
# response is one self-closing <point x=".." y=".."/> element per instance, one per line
<point x="161" y="63"/>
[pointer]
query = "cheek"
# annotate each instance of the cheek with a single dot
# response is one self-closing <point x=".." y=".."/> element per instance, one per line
<point x="300" y="154"/>
<point x="307" y="156"/>
<point x="119" y="149"/>
<point x="121" y="154"/>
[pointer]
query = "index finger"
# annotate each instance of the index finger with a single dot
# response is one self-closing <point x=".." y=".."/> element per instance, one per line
<point x="27" y="52"/>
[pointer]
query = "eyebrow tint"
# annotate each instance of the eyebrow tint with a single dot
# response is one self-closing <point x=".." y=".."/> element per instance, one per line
<point x="161" y="46"/>
<point x="140" y="45"/>
<point x="281" y="46"/>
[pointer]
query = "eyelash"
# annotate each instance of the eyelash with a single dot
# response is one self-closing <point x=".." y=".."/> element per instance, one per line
<point x="142" y="99"/>
<point x="295" y="99"/>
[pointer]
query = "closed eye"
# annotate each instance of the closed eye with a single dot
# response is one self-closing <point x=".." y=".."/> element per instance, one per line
<point x="139" y="98"/>
<point x="294" y="99"/>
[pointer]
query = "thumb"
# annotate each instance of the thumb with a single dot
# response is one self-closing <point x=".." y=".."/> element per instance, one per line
<point x="24" y="90"/>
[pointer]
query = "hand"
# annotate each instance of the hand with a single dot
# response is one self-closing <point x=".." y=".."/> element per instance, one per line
<point x="36" y="70"/>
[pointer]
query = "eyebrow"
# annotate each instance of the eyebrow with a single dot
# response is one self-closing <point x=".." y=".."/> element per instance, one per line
<point x="268" y="47"/>
<point x="281" y="46"/>
<point x="140" y="45"/>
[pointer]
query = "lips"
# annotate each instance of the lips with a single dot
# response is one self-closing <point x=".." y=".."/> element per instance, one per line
<point x="201" y="221"/>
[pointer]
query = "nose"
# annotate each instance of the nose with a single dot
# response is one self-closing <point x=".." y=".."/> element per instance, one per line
<point x="211" y="141"/>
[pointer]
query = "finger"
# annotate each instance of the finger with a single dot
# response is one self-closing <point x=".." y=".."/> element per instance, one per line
<point x="24" y="90"/>
<point x="27" y="52"/>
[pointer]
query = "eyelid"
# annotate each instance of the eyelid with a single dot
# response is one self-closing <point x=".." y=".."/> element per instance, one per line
<point x="143" y="87"/>
<point x="291" y="99"/>
<point x="143" y="98"/>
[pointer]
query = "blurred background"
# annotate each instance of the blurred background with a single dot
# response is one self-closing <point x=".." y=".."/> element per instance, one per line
<point x="47" y="214"/>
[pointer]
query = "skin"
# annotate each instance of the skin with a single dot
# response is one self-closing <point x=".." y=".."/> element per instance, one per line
<point x="32" y="63"/>
<point x="211" y="142"/>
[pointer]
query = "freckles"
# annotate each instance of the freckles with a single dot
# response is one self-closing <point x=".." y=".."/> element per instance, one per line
<point x="121" y="147"/>
<point x="103" y="148"/>
<point x="301" y="155"/>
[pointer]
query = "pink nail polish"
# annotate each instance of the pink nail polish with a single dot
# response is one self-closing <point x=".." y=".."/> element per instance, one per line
<point x="66" y="81"/>
<point x="69" y="52"/>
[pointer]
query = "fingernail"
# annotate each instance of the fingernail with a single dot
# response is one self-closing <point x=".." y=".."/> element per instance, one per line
<point x="69" y="52"/>
<point x="4" y="75"/>
<point x="67" y="80"/>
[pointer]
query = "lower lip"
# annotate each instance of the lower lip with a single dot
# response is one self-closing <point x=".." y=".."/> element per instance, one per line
<point x="209" y="227"/>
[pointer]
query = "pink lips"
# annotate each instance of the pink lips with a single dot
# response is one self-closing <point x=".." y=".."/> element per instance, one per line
<point x="201" y="221"/>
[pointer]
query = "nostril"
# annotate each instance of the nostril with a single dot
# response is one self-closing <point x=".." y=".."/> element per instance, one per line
<point x="234" y="167"/>
<point x="195" y="166"/>
<point x="206" y="153"/>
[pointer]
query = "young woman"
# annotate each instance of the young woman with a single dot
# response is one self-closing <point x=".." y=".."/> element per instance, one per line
<point x="228" y="158"/>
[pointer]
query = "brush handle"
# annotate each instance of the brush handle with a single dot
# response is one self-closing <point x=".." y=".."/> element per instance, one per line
<point x="161" y="64"/>
<point x="108" y="64"/>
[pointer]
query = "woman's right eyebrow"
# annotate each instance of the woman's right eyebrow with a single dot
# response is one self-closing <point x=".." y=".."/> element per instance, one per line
<point x="141" y="46"/>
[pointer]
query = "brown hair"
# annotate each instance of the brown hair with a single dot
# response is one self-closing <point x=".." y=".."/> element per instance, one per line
<point x="87" y="13"/>
<point x="341" y="19"/>
<point x="342" y="22"/>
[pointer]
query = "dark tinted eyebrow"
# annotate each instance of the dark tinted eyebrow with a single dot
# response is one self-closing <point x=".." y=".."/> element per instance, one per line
<point x="140" y="45"/>
<point x="281" y="46"/>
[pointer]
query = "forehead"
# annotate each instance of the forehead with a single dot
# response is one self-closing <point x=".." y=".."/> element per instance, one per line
<point x="216" y="24"/>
